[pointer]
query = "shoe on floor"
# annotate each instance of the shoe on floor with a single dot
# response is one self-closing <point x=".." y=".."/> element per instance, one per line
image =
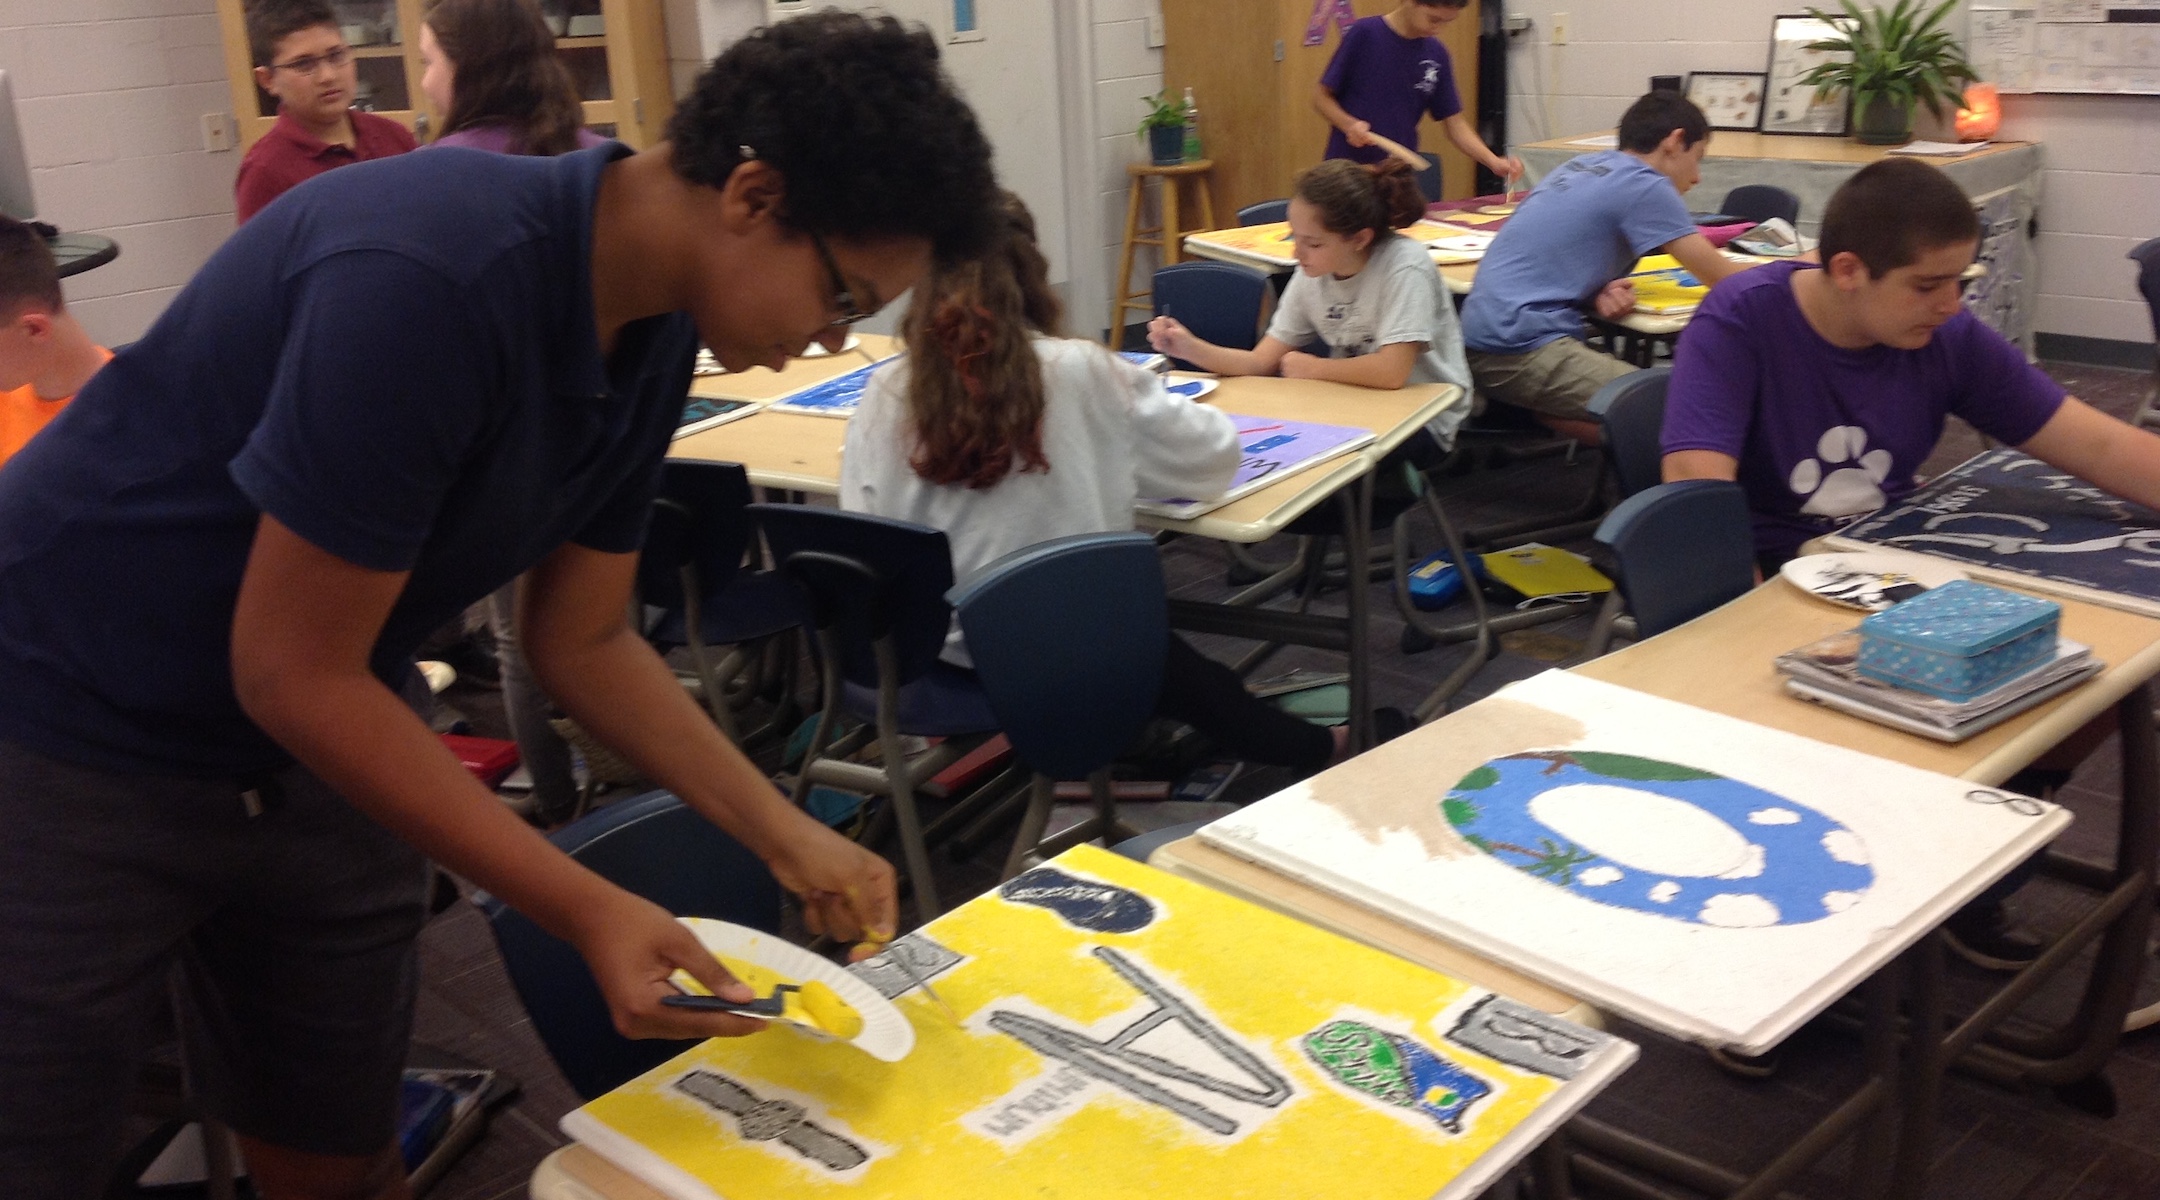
<point x="439" y="675"/>
<point x="1747" y="1066"/>
<point x="1389" y="724"/>
<point x="1981" y="934"/>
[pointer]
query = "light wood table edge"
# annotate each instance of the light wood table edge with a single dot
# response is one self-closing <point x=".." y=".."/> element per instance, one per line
<point x="1987" y="758"/>
<point x="1191" y="859"/>
<point x="578" y="1172"/>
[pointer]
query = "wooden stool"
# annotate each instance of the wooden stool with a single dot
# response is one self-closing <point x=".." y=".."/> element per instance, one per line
<point x="1167" y="237"/>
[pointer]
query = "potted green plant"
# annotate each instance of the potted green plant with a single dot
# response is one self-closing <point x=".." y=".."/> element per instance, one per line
<point x="1164" y="128"/>
<point x="1895" y="60"/>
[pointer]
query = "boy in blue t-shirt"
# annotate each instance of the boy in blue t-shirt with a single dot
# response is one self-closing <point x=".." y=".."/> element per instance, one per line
<point x="1389" y="71"/>
<point x="1569" y="249"/>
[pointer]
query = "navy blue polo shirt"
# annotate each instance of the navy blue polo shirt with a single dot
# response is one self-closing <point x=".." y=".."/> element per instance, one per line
<point x="399" y="362"/>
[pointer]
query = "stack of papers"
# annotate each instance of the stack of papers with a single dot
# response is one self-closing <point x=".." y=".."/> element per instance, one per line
<point x="1941" y="149"/>
<point x="1827" y="673"/>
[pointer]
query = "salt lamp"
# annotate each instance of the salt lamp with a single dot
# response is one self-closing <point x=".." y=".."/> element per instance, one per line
<point x="1980" y="115"/>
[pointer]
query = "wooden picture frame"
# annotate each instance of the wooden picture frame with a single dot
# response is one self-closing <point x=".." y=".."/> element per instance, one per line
<point x="1790" y="106"/>
<point x="1730" y="99"/>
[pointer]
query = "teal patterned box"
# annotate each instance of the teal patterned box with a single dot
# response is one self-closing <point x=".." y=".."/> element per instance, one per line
<point x="1959" y="640"/>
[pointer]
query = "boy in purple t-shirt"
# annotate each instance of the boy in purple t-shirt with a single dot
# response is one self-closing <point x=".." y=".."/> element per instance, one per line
<point x="1389" y="71"/>
<point x="1821" y="391"/>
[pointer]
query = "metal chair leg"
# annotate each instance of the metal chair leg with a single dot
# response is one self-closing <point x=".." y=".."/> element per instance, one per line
<point x="900" y="774"/>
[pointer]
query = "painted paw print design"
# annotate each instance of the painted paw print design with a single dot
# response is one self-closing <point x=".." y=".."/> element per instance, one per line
<point x="1832" y="490"/>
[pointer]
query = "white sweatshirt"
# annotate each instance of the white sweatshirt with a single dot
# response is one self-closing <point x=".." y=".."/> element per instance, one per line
<point x="1111" y="433"/>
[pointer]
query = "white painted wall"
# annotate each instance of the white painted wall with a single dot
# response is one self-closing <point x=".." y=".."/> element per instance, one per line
<point x="2102" y="192"/>
<point x="1123" y="69"/>
<point x="110" y="94"/>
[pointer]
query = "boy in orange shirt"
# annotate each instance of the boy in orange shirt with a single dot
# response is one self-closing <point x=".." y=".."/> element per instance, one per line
<point x="45" y="357"/>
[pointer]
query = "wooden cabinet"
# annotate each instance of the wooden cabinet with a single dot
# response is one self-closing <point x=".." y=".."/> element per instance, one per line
<point x="1253" y="75"/>
<point x="616" y="51"/>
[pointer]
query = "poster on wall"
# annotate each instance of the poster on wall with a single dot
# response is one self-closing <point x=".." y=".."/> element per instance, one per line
<point x="2105" y="46"/>
<point x="1790" y="106"/>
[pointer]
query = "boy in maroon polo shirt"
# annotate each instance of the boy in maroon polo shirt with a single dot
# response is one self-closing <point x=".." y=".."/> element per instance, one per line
<point x="302" y="59"/>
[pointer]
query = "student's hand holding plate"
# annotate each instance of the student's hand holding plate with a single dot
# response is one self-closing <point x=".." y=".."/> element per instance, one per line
<point x="633" y="947"/>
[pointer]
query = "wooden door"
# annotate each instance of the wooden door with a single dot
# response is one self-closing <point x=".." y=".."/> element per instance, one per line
<point x="1253" y="76"/>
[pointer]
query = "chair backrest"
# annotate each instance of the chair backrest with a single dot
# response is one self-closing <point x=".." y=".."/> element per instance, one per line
<point x="1759" y="202"/>
<point x="867" y="577"/>
<point x="1632" y="410"/>
<point x="1219" y="302"/>
<point x="700" y="520"/>
<point x="1428" y="180"/>
<point x="1267" y="212"/>
<point x="1068" y="637"/>
<point x="2147" y="256"/>
<point x="1682" y="548"/>
<point x="654" y="846"/>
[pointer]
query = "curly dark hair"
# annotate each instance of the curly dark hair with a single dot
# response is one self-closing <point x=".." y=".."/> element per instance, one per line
<point x="507" y="73"/>
<point x="859" y="118"/>
<point x="272" y="21"/>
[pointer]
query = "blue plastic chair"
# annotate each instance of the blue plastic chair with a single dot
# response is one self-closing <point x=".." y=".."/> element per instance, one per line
<point x="1758" y="202"/>
<point x="1632" y="411"/>
<point x="1267" y="212"/>
<point x="1220" y="302"/>
<point x="877" y="597"/>
<point x="691" y="572"/>
<point x="1069" y="638"/>
<point x="1428" y="180"/>
<point x="656" y="847"/>
<point x="1682" y="549"/>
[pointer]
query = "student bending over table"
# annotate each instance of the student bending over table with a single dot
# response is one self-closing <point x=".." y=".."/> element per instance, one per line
<point x="1003" y="434"/>
<point x="1821" y="390"/>
<point x="1370" y="294"/>
<point x="1570" y="247"/>
<point x="371" y="408"/>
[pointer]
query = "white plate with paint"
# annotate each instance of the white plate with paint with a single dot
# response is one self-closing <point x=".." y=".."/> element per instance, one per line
<point x="813" y="350"/>
<point x="1859" y="580"/>
<point x="886" y="1034"/>
<point x="1192" y="387"/>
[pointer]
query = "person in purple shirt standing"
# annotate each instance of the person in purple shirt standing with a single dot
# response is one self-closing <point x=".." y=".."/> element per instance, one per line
<point x="1389" y="72"/>
<point x="490" y="68"/>
<point x="1822" y="390"/>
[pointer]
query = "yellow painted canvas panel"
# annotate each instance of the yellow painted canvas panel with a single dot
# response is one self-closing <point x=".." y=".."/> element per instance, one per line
<point x="1123" y="1034"/>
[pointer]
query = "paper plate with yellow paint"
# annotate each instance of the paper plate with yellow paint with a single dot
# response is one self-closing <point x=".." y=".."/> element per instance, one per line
<point x="831" y="1001"/>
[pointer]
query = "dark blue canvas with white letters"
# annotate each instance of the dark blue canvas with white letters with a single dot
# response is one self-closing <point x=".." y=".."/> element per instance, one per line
<point x="2002" y="511"/>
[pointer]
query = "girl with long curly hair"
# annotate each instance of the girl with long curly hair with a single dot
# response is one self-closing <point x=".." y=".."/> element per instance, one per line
<point x="1003" y="434"/>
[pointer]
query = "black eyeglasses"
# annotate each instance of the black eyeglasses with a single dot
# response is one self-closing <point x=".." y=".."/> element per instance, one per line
<point x="843" y="300"/>
<point x="309" y="64"/>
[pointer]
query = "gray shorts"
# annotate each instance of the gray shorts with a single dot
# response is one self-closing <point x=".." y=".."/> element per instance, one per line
<point x="293" y="932"/>
<point x="1556" y="379"/>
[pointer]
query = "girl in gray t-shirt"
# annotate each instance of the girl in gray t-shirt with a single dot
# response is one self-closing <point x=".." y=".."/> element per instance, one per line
<point x="1369" y="295"/>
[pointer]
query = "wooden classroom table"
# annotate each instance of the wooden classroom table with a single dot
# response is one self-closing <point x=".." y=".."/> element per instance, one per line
<point x="1722" y="662"/>
<point x="1457" y="276"/>
<point x="801" y="452"/>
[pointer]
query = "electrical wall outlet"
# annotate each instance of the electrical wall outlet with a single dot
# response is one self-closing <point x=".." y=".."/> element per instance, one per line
<point x="1559" y="28"/>
<point x="217" y="132"/>
<point x="1516" y="24"/>
<point x="1155" y="35"/>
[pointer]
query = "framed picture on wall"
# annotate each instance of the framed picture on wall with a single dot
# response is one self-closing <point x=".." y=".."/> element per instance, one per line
<point x="1790" y="106"/>
<point x="1731" y="99"/>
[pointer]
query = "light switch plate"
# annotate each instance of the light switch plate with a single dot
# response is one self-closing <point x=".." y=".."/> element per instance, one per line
<point x="1155" y="35"/>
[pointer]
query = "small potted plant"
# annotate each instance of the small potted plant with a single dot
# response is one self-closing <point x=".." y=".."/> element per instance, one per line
<point x="1164" y="129"/>
<point x="1895" y="60"/>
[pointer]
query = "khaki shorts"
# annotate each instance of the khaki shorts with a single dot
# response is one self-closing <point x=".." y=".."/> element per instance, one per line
<point x="1557" y="379"/>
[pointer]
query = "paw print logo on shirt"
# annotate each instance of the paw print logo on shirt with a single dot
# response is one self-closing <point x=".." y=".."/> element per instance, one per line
<point x="1844" y="478"/>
